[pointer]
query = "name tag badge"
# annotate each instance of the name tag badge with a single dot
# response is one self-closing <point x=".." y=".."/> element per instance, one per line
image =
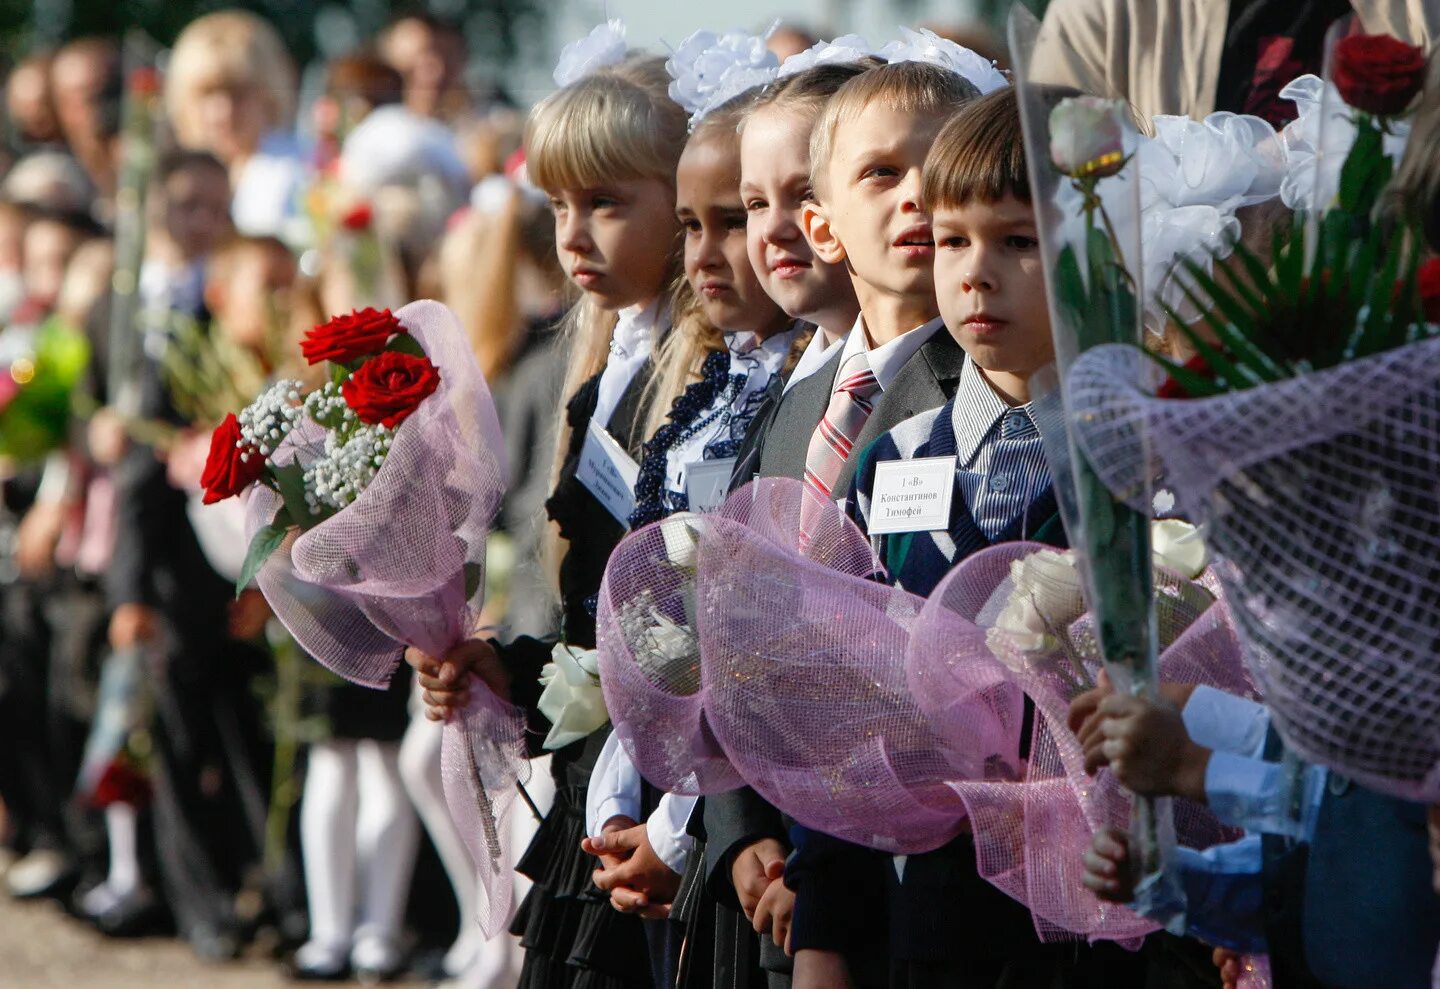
<point x="707" y="482"/>
<point x="912" y="495"/>
<point x="608" y="472"/>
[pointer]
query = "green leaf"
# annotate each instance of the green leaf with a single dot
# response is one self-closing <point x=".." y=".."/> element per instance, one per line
<point x="1224" y="366"/>
<point x="338" y="373"/>
<point x="290" y="481"/>
<point x="404" y="343"/>
<point x="474" y="577"/>
<point x="1194" y="384"/>
<point x="266" y="541"/>
<point x="1244" y="353"/>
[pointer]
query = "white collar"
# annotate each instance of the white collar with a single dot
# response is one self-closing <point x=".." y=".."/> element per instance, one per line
<point x="817" y="352"/>
<point x="887" y="359"/>
<point x="634" y="334"/>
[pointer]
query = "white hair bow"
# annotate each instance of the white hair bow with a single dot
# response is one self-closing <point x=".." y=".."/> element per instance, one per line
<point x="604" y="45"/>
<point x="925" y="45"/>
<point x="709" y="69"/>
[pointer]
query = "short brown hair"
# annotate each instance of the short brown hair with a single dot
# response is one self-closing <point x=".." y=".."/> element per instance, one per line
<point x="910" y="87"/>
<point x="979" y="155"/>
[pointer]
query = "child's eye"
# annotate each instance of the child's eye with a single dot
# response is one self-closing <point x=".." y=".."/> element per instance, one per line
<point x="735" y="220"/>
<point x="756" y="205"/>
<point x="603" y="202"/>
<point x="557" y="205"/>
<point x="1020" y="242"/>
<point x="691" y="225"/>
<point x="879" y="172"/>
<point x="954" y="242"/>
<point x="807" y="195"/>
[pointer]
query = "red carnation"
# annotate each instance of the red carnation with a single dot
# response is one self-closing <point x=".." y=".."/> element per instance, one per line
<point x="230" y="468"/>
<point x="1429" y="279"/>
<point x="349" y="338"/>
<point x="1170" y="388"/>
<point x="1377" y="73"/>
<point x="390" y="387"/>
<point x="357" y="218"/>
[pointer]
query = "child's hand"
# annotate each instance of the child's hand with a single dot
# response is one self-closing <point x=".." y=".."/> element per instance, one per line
<point x="776" y="907"/>
<point x="750" y="872"/>
<point x="1082" y="707"/>
<point x="247" y="615"/>
<point x="445" y="683"/>
<point x="1228" y="962"/>
<point x="642" y="883"/>
<point x="133" y="624"/>
<point x="816" y="969"/>
<point x="609" y="858"/>
<point x="1107" y="867"/>
<point x="1146" y="746"/>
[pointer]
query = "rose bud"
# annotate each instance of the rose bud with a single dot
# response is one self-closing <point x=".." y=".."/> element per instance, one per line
<point x="1377" y="73"/>
<point x="1087" y="136"/>
<point x="232" y="465"/>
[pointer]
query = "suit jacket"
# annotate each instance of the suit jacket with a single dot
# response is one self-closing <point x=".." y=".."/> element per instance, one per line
<point x="776" y="446"/>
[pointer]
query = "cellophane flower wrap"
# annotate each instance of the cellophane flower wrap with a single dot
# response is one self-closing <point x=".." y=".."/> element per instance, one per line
<point x="376" y="532"/>
<point x="1305" y="438"/>
<point x="1081" y="154"/>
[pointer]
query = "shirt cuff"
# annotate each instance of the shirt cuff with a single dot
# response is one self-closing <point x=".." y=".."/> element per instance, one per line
<point x="1225" y="722"/>
<point x="667" y="831"/>
<point x="1224" y="894"/>
<point x="614" y="788"/>
<point x="1264" y="797"/>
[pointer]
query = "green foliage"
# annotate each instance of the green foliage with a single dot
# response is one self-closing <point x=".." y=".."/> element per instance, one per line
<point x="266" y="541"/>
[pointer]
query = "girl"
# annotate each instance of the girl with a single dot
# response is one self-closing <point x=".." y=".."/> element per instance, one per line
<point x="730" y="343"/>
<point x="604" y="149"/>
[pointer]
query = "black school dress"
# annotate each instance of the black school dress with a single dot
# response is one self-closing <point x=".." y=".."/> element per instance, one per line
<point x="571" y="935"/>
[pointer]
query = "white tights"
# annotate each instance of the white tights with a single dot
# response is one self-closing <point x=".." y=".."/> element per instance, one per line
<point x="357" y="829"/>
<point x="124" y="875"/>
<point x="474" y="962"/>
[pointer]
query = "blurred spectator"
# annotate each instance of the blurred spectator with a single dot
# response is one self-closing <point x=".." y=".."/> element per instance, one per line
<point x="13" y="219"/>
<point x="85" y="84"/>
<point x="51" y="238"/>
<point x="29" y="103"/>
<point x="430" y="55"/>
<point x="230" y="90"/>
<point x="788" y="39"/>
<point x="49" y="180"/>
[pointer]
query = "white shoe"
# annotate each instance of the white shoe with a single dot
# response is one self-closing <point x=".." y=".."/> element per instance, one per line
<point x="374" y="959"/>
<point x="36" y="874"/>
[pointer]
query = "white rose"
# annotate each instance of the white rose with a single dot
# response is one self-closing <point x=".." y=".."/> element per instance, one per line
<point x="1045" y="595"/>
<point x="1177" y="546"/>
<point x="1087" y="136"/>
<point x="681" y="533"/>
<point x="572" y="698"/>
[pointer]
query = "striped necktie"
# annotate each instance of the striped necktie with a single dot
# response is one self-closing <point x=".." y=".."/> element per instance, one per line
<point x="850" y="405"/>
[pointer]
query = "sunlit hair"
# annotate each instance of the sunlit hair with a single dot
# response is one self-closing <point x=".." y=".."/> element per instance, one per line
<point x="1414" y="194"/>
<point x="978" y="156"/>
<point x="810" y="90"/>
<point x="232" y="48"/>
<point x="907" y="87"/>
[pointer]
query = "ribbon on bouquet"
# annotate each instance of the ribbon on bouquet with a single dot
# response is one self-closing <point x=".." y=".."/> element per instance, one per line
<point x="403" y="565"/>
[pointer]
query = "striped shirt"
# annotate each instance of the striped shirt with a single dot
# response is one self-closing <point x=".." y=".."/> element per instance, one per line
<point x="1002" y="481"/>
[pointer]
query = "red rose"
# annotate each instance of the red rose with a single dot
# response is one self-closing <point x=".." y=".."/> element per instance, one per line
<point x="1429" y="279"/>
<point x="390" y="387"/>
<point x="1170" y="388"/>
<point x="1377" y="73"/>
<point x="230" y="468"/>
<point x="349" y="338"/>
<point x="357" y="218"/>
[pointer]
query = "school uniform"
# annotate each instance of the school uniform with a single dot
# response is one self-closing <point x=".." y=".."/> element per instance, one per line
<point x="570" y="933"/>
<point x="835" y="904"/>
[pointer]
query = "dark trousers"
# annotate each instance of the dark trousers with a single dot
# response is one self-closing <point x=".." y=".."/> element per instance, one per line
<point x="211" y="771"/>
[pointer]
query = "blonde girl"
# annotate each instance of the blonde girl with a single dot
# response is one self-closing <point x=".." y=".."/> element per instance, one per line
<point x="604" y="150"/>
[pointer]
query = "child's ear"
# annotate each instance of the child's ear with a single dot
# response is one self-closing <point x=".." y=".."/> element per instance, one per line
<point x="820" y="234"/>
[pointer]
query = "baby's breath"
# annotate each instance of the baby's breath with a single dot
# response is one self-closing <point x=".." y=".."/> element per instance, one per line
<point x="348" y="466"/>
<point x="267" y="420"/>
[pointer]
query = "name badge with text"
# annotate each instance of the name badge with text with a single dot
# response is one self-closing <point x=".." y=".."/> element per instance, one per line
<point x="707" y="482"/>
<point x="912" y="495"/>
<point x="608" y="472"/>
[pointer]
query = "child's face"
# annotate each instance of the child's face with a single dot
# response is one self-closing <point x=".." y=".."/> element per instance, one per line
<point x="872" y="214"/>
<point x="615" y="241"/>
<point x="231" y="118"/>
<point x="717" y="265"/>
<point x="48" y="247"/>
<point x="774" y="184"/>
<point x="197" y="210"/>
<point x="246" y="301"/>
<point x="990" y="281"/>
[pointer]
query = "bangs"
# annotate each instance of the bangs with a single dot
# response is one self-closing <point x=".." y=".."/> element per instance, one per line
<point x="605" y="128"/>
<point x="978" y="156"/>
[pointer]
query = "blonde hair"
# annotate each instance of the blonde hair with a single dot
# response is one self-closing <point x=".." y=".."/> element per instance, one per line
<point x="809" y="90"/>
<point x="1414" y="193"/>
<point x="908" y="87"/>
<point x="232" y="47"/>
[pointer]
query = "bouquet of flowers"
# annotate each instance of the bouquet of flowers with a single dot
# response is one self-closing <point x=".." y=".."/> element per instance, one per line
<point x="370" y="499"/>
<point x="1304" y="436"/>
<point x="39" y="369"/>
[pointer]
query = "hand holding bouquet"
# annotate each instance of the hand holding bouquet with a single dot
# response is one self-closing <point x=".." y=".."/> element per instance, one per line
<point x="370" y="501"/>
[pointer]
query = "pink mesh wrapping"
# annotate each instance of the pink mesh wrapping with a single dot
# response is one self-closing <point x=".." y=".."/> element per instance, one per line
<point x="801" y="691"/>
<point x="1320" y="497"/>
<point x="392" y="570"/>
<point x="1031" y="836"/>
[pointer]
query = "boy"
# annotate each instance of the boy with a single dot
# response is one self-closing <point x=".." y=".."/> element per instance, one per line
<point x="866" y="154"/>
<point x="948" y="926"/>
